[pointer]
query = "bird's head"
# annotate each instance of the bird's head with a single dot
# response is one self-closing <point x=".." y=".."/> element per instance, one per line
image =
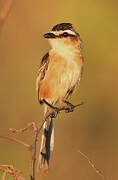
<point x="63" y="35"/>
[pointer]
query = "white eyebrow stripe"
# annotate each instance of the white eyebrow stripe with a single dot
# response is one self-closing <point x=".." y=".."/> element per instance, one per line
<point x="57" y="33"/>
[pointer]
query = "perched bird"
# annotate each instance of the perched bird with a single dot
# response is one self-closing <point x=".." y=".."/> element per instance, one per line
<point x="59" y="75"/>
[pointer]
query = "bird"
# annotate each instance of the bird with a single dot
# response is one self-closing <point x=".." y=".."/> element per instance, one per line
<point x="59" y="76"/>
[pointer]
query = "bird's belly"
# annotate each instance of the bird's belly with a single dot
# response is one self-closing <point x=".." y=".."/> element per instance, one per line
<point x="60" y="78"/>
<point x="70" y="76"/>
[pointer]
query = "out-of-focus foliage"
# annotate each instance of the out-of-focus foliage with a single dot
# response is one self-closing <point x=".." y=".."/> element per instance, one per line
<point x="94" y="127"/>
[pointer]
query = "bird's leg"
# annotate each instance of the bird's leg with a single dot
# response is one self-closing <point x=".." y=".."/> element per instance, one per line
<point x="55" y="109"/>
<point x="71" y="107"/>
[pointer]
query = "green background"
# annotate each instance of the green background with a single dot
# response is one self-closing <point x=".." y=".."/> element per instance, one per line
<point x="93" y="128"/>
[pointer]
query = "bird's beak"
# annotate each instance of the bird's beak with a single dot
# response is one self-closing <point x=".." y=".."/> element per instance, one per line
<point x="49" y="35"/>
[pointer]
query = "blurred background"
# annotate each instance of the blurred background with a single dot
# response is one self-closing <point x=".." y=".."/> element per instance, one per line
<point x="93" y="128"/>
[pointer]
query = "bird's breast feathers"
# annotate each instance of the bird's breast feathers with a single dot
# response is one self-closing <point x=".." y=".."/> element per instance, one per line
<point x="62" y="74"/>
<point x="67" y="67"/>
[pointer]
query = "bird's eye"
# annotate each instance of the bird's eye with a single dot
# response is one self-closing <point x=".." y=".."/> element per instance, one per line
<point x="65" y="34"/>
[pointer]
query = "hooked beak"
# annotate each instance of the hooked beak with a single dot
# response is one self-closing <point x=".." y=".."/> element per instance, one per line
<point x="49" y="35"/>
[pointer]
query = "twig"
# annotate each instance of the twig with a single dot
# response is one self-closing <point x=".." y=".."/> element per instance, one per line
<point x="33" y="149"/>
<point x="4" y="175"/>
<point x="66" y="108"/>
<point x="6" y="10"/>
<point x="16" y="140"/>
<point x="29" y="126"/>
<point x="34" y="145"/>
<point x="93" y="165"/>
<point x="9" y="169"/>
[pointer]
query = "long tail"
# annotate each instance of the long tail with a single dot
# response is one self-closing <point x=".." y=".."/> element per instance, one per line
<point x="47" y="143"/>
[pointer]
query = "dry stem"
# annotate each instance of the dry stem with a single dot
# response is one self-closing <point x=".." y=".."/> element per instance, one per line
<point x="37" y="130"/>
<point x="16" y="140"/>
<point x="9" y="169"/>
<point x="28" y="127"/>
<point x="33" y="146"/>
<point x="93" y="165"/>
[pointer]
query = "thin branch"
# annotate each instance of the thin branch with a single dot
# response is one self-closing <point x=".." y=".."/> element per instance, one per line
<point x="93" y="165"/>
<point x="6" y="10"/>
<point x="4" y="175"/>
<point x="9" y="169"/>
<point x="16" y="140"/>
<point x="33" y="151"/>
<point x="32" y="148"/>
<point x="28" y="127"/>
<point x="34" y="145"/>
<point x="67" y="108"/>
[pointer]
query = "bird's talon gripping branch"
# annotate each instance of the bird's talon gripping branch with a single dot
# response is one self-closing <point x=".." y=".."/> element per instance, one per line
<point x="56" y="109"/>
<point x="53" y="115"/>
<point x="54" y="112"/>
<point x="69" y="109"/>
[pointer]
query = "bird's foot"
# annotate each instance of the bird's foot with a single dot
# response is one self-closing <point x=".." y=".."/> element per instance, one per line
<point x="71" y="107"/>
<point x="55" y="110"/>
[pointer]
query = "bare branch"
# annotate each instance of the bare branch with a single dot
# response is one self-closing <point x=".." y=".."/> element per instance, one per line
<point x="4" y="175"/>
<point x="32" y="148"/>
<point x="6" y="10"/>
<point x="28" y="127"/>
<point x="9" y="169"/>
<point x="93" y="165"/>
<point x="16" y="140"/>
<point x="67" y="108"/>
<point x="34" y="145"/>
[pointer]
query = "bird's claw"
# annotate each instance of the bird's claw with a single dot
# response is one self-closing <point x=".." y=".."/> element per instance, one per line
<point x="70" y="109"/>
<point x="54" y="112"/>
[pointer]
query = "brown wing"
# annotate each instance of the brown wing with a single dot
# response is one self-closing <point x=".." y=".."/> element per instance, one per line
<point x="41" y="74"/>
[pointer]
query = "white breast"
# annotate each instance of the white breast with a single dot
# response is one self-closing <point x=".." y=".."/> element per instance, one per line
<point x="70" y="72"/>
<point x="62" y="49"/>
<point x="69" y="55"/>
